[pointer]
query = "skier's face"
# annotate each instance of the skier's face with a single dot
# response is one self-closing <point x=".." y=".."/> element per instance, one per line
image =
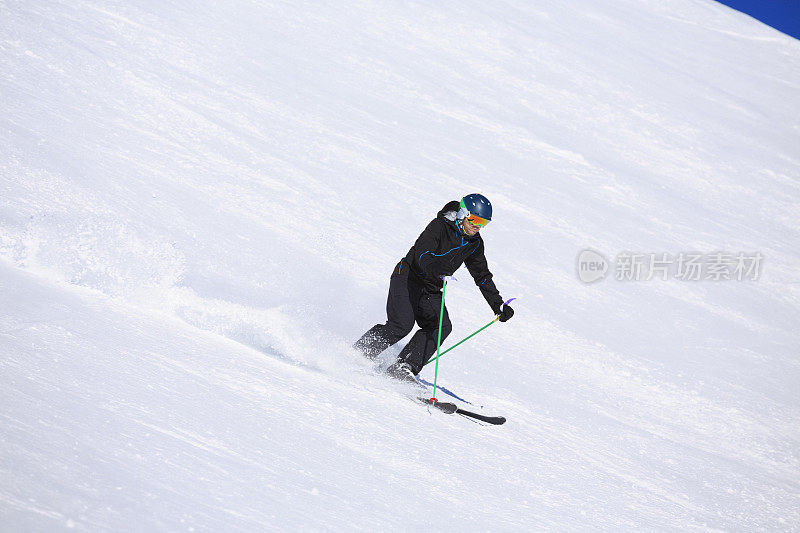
<point x="469" y="228"/>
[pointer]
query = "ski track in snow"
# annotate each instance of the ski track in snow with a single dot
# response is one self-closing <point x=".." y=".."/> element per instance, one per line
<point x="200" y="208"/>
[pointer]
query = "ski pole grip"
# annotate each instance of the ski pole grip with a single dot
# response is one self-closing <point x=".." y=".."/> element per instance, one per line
<point x="501" y="307"/>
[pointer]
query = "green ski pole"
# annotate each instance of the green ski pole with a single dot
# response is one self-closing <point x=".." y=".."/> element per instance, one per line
<point x="438" y="355"/>
<point x="439" y="340"/>
<point x="432" y="359"/>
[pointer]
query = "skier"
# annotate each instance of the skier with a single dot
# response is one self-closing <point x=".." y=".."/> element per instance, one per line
<point x="415" y="287"/>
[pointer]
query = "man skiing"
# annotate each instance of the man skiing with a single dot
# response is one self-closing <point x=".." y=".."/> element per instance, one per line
<point x="415" y="287"/>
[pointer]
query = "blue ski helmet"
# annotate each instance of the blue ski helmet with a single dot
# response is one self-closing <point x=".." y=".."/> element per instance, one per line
<point x="477" y="205"/>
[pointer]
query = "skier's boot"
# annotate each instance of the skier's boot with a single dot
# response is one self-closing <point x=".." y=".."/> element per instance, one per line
<point x="402" y="371"/>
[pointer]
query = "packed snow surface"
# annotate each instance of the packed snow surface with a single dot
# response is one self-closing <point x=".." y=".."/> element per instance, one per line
<point x="201" y="204"/>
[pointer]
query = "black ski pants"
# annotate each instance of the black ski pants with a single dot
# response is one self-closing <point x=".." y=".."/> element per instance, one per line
<point x="407" y="303"/>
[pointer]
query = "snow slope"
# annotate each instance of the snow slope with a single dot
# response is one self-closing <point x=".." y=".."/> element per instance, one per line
<point x="201" y="206"/>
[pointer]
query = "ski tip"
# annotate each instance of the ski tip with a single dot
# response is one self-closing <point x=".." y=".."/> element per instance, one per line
<point x="494" y="420"/>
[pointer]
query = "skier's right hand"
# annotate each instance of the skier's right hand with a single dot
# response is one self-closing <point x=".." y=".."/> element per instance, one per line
<point x="506" y="313"/>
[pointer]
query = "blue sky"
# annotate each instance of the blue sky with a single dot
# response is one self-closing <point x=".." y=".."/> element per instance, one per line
<point x="783" y="15"/>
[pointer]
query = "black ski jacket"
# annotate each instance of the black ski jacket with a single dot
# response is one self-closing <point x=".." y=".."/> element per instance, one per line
<point x="442" y="248"/>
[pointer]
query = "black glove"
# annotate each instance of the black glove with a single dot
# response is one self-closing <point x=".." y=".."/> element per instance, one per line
<point x="506" y="313"/>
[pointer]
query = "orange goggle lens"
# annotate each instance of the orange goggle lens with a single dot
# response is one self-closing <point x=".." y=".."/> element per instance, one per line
<point x="475" y="220"/>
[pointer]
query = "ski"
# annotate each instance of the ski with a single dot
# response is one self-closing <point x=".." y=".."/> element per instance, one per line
<point x="495" y="420"/>
<point x="451" y="408"/>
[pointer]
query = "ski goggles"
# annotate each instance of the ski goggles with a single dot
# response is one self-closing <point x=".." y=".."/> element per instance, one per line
<point x="475" y="220"/>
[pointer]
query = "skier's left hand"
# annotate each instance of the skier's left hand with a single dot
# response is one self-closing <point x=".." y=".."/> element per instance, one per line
<point x="505" y="313"/>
